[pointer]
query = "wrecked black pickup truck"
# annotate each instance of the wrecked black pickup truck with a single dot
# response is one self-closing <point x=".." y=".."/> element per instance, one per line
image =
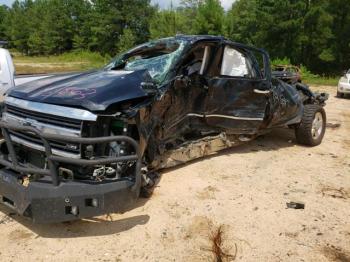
<point x="85" y="144"/>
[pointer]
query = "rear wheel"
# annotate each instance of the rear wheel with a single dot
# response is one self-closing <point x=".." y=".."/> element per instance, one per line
<point x="340" y="95"/>
<point x="312" y="128"/>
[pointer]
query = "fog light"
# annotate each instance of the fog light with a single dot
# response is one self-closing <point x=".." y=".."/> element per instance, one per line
<point x="75" y="210"/>
<point x="91" y="202"/>
<point x="94" y="202"/>
<point x="71" y="146"/>
<point x="72" y="210"/>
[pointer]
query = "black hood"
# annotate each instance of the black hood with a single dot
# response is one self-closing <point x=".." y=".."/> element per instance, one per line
<point x="94" y="91"/>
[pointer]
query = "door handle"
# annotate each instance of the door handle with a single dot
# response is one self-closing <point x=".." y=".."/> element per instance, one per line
<point x="259" y="91"/>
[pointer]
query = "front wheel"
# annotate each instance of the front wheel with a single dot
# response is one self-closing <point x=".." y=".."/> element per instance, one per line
<point x="340" y="95"/>
<point x="312" y="127"/>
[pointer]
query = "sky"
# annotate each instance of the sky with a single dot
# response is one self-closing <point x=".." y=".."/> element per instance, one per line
<point x="166" y="3"/>
<point x="162" y="3"/>
<point x="6" y="2"/>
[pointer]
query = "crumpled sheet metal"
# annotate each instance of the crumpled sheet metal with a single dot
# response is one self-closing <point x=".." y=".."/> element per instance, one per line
<point x="194" y="150"/>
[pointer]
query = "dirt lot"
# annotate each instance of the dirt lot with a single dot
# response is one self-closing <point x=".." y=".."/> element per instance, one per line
<point x="243" y="192"/>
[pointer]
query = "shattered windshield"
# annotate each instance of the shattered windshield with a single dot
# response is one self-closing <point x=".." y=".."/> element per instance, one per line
<point x="157" y="57"/>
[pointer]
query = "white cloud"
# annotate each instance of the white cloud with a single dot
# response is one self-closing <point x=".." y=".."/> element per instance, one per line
<point x="6" y="2"/>
<point x="227" y="3"/>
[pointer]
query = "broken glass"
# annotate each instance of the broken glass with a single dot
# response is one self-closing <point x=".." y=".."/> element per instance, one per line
<point x="156" y="57"/>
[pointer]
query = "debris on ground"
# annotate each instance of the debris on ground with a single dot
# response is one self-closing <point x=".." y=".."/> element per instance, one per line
<point x="295" y="205"/>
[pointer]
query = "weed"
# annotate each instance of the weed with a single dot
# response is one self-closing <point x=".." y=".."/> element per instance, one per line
<point x="217" y="247"/>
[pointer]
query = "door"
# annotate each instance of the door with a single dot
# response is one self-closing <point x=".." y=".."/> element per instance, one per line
<point x="7" y="71"/>
<point x="238" y="97"/>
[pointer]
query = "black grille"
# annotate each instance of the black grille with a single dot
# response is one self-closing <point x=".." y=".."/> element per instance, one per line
<point x="54" y="144"/>
<point x="62" y="122"/>
<point x="45" y="118"/>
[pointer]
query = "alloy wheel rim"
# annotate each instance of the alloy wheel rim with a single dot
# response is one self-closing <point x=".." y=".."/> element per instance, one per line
<point x="317" y="126"/>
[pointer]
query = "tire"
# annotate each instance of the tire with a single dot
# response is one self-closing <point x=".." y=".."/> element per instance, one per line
<point x="312" y="127"/>
<point x="340" y="95"/>
<point x="147" y="190"/>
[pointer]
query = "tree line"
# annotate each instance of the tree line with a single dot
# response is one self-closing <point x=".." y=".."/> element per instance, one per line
<point x="315" y="33"/>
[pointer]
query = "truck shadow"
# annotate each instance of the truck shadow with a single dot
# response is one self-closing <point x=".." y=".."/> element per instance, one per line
<point x="275" y="140"/>
<point x="97" y="226"/>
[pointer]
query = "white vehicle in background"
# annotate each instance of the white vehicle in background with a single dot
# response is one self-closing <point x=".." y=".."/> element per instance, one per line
<point x="7" y="71"/>
<point x="344" y="85"/>
<point x="7" y="74"/>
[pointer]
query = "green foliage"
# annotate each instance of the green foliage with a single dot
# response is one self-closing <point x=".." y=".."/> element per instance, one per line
<point x="3" y="14"/>
<point x="166" y="23"/>
<point x="241" y="21"/>
<point x="314" y="33"/>
<point x="74" y="56"/>
<point x="314" y="79"/>
<point x="307" y="74"/>
<point x="111" y="17"/>
<point x="210" y="18"/>
<point x="305" y="32"/>
<point x="69" y="61"/>
<point x="279" y="61"/>
<point x="126" y="41"/>
<point x="56" y="26"/>
<point x="163" y="24"/>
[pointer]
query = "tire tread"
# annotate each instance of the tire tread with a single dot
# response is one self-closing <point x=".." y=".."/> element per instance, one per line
<point x="303" y="131"/>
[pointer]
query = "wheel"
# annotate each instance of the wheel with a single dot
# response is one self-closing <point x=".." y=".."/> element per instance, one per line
<point x="151" y="180"/>
<point x="340" y="95"/>
<point x="312" y="127"/>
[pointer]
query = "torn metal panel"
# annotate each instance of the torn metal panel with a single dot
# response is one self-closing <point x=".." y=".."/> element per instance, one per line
<point x="195" y="149"/>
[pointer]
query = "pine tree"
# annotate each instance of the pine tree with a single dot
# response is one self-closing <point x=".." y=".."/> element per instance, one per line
<point x="3" y="14"/>
<point x="210" y="18"/>
<point x="126" y="40"/>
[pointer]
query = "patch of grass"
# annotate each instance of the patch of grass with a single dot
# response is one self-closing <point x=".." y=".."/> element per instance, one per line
<point x="67" y="62"/>
<point x="324" y="81"/>
<point x="313" y="79"/>
<point x="307" y="76"/>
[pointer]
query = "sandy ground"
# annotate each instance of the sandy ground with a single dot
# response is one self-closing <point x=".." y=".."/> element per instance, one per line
<point x="242" y="191"/>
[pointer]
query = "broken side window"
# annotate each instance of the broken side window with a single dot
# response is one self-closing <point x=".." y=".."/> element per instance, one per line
<point x="234" y="63"/>
<point x="193" y="62"/>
